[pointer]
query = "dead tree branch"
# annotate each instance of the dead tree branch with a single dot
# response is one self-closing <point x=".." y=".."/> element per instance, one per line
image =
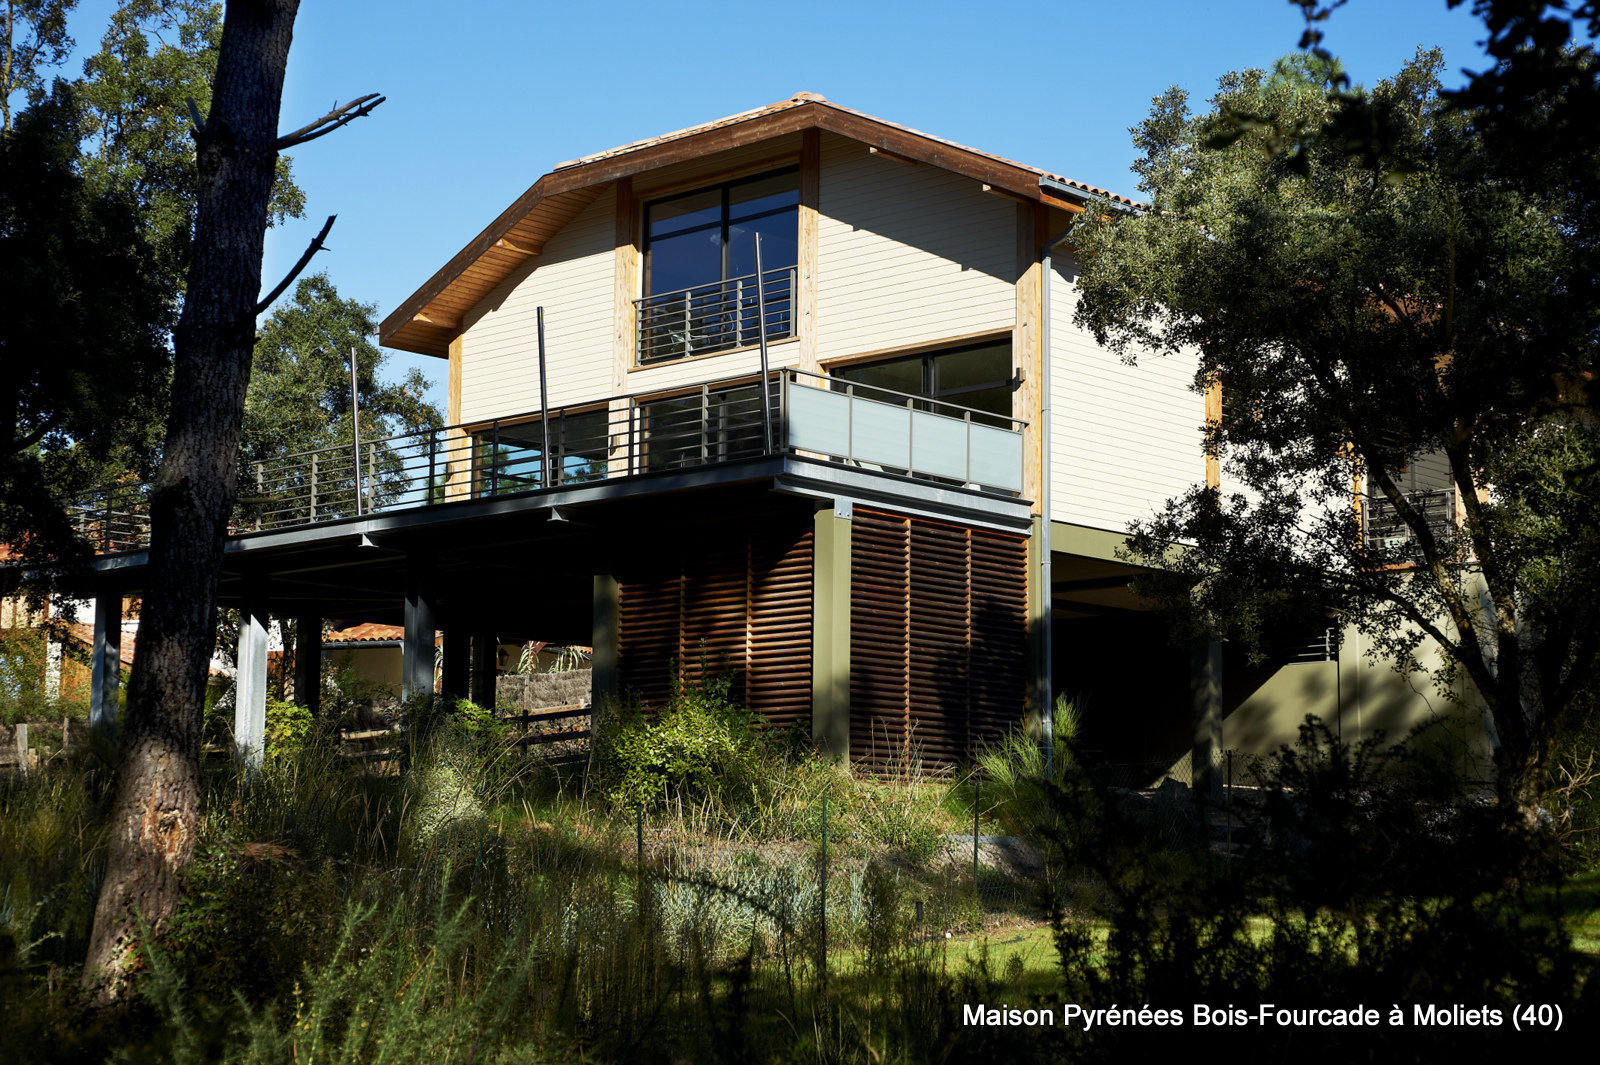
<point x="339" y="116"/>
<point x="288" y="279"/>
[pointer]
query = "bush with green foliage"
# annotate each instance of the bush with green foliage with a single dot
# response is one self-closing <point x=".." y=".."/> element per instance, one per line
<point x="1013" y="772"/>
<point x="288" y="727"/>
<point x="701" y="744"/>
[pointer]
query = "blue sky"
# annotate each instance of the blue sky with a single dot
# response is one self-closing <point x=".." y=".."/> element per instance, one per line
<point x="485" y="97"/>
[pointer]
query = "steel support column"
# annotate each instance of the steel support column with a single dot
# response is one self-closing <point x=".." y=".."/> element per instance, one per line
<point x="416" y="669"/>
<point x="604" y="681"/>
<point x="457" y="665"/>
<point x="308" y="662"/>
<point x="250" y="684"/>
<point x="1205" y="685"/>
<point x="106" y="670"/>
<point x="485" y="648"/>
<point x="830" y="630"/>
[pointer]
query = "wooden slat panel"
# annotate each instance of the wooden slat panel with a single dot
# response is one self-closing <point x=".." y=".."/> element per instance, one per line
<point x="741" y="605"/>
<point x="938" y="625"/>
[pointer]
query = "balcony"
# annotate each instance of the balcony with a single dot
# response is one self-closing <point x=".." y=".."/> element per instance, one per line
<point x="911" y="443"/>
<point x="715" y="317"/>
<point x="1385" y="531"/>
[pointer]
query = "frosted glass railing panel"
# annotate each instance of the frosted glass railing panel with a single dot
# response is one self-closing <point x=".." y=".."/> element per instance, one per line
<point x="879" y="434"/>
<point x="996" y="458"/>
<point x="819" y="420"/>
<point x="939" y="446"/>
<point x="900" y="439"/>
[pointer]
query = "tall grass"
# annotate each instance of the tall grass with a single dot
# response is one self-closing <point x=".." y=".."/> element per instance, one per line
<point x="474" y="909"/>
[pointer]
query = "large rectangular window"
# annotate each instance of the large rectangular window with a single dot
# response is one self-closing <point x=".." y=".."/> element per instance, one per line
<point x="702" y="427"/>
<point x="699" y="270"/>
<point x="510" y="458"/>
<point x="978" y="376"/>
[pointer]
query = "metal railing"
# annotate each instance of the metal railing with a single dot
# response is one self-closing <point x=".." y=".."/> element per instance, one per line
<point x="623" y="436"/>
<point x="715" y="317"/>
<point x="896" y="432"/>
<point x="1385" y="530"/>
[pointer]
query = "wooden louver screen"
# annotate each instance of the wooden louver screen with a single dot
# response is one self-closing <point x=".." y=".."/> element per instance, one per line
<point x="938" y="622"/>
<point x="741" y="605"/>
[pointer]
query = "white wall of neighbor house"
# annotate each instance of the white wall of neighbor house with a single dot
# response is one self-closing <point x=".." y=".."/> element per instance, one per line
<point x="1123" y="438"/>
<point x="572" y="279"/>
<point x="907" y="254"/>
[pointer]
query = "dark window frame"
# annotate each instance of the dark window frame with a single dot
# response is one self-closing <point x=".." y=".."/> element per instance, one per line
<point x="929" y="388"/>
<point x="724" y="220"/>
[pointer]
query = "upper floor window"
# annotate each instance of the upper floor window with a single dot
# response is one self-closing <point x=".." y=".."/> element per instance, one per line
<point x="979" y="376"/>
<point x="699" y="267"/>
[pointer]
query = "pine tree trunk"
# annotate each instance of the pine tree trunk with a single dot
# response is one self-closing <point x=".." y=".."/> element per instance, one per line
<point x="157" y="792"/>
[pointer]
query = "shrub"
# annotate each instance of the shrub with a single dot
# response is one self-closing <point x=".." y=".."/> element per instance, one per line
<point x="701" y="744"/>
<point x="288" y="728"/>
<point x="1013" y="769"/>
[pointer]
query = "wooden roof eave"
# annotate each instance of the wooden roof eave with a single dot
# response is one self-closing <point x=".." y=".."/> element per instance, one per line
<point x="417" y="325"/>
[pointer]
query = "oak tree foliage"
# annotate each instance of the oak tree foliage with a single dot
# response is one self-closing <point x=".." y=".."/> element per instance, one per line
<point x="299" y="397"/>
<point x="83" y="339"/>
<point x="1368" y="304"/>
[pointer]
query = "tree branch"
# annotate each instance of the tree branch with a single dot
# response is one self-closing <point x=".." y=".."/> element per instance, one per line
<point x="339" y="116"/>
<point x="194" y="116"/>
<point x="39" y="432"/>
<point x="312" y="249"/>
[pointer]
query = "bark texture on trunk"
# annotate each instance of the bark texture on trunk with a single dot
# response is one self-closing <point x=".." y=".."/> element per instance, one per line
<point x="157" y="789"/>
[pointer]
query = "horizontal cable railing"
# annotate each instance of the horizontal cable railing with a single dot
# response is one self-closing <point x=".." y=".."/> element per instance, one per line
<point x="1386" y="530"/>
<point x="715" y="317"/>
<point x="621" y="436"/>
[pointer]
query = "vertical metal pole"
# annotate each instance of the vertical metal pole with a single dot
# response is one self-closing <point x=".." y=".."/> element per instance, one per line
<point x="494" y="459"/>
<point x="705" y="424"/>
<point x="638" y="833"/>
<point x="313" y="510"/>
<point x="355" y="425"/>
<point x="967" y="417"/>
<point x="561" y="445"/>
<point x="433" y="455"/>
<point x="372" y="474"/>
<point x="261" y="495"/>
<point x="977" y="803"/>
<point x="761" y="334"/>
<point x="824" y="888"/>
<point x="544" y="405"/>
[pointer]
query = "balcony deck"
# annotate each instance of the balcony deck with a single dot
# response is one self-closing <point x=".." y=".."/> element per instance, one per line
<point x="813" y="435"/>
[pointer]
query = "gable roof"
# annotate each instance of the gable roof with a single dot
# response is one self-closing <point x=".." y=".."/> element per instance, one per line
<point x="428" y="319"/>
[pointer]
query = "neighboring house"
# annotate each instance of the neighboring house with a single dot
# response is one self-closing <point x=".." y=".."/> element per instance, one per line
<point x="375" y="655"/>
<point x="911" y="534"/>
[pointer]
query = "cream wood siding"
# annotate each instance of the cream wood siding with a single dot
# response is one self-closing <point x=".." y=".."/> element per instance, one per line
<point x="711" y="368"/>
<point x="572" y="279"/>
<point x="1124" y="439"/>
<point x="907" y="254"/>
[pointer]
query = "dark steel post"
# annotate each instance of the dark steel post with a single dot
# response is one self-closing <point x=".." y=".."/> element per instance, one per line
<point x="544" y="406"/>
<point x="355" y="426"/>
<point x="433" y="452"/>
<point x="494" y="459"/>
<point x="761" y="339"/>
